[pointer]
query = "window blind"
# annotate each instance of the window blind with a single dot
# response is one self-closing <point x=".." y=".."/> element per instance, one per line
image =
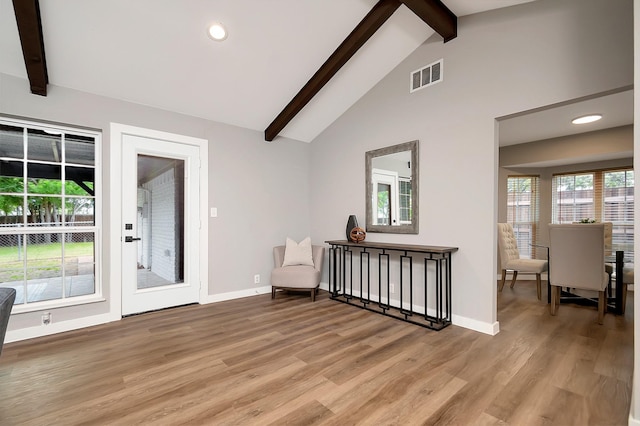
<point x="597" y="196"/>
<point x="523" y="212"/>
<point x="617" y="206"/>
<point x="574" y="197"/>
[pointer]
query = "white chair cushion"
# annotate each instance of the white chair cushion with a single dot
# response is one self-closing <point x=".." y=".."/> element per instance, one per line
<point x="527" y="265"/>
<point x="298" y="276"/>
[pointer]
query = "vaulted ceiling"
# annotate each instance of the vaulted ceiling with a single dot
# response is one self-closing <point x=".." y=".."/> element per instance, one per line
<point x="157" y="53"/>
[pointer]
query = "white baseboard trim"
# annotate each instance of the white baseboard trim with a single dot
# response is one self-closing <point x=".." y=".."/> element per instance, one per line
<point x="63" y="326"/>
<point x="213" y="298"/>
<point x="57" y="327"/>
<point x="246" y="293"/>
<point x="475" y="325"/>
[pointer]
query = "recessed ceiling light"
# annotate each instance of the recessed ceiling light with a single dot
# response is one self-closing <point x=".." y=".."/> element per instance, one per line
<point x="587" y="119"/>
<point x="217" y="32"/>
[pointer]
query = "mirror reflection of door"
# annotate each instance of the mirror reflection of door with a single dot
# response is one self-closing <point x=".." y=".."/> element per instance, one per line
<point x="385" y="198"/>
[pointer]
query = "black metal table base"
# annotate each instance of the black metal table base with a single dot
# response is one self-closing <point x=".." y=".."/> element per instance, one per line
<point x="422" y="320"/>
<point x="566" y="296"/>
<point x="433" y="312"/>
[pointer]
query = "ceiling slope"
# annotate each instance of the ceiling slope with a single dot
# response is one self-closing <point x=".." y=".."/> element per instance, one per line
<point x="433" y="12"/>
<point x="354" y="41"/>
<point x="157" y="53"/>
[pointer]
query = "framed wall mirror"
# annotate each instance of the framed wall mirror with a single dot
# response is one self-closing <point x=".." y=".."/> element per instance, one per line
<point x="392" y="189"/>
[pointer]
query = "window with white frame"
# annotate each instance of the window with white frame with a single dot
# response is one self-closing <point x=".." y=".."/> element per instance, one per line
<point x="618" y="206"/>
<point x="597" y="196"/>
<point x="49" y="230"/>
<point x="523" y="212"/>
<point x="404" y="189"/>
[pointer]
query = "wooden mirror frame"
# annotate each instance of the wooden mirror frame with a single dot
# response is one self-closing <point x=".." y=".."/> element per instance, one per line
<point x="393" y="229"/>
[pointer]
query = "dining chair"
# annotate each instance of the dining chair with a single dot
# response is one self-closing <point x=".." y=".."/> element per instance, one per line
<point x="510" y="259"/>
<point x="627" y="279"/>
<point x="576" y="260"/>
<point x="608" y="251"/>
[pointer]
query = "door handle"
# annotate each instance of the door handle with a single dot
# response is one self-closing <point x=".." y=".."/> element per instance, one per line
<point x="130" y="239"/>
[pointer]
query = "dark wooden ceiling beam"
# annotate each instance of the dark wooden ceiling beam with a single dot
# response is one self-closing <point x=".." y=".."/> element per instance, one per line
<point x="436" y="15"/>
<point x="30" y="31"/>
<point x="354" y="41"/>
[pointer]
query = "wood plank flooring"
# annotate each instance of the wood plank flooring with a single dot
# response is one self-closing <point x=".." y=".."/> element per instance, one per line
<point x="257" y="361"/>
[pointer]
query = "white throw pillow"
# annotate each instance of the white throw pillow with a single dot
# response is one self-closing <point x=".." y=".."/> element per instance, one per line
<point x="298" y="253"/>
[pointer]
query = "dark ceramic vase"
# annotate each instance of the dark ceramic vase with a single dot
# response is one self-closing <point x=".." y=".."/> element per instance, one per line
<point x="351" y="223"/>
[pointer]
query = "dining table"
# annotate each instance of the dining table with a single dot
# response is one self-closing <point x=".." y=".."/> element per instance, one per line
<point x="617" y="301"/>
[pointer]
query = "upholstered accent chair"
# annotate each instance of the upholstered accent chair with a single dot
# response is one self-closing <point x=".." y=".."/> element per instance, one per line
<point x="7" y="297"/>
<point x="510" y="259"/>
<point x="297" y="277"/>
<point x="576" y="258"/>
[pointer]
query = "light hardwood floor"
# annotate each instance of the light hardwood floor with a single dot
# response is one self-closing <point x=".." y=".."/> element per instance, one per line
<point x="258" y="361"/>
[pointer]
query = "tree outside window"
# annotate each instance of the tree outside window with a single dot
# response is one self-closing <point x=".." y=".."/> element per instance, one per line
<point x="47" y="212"/>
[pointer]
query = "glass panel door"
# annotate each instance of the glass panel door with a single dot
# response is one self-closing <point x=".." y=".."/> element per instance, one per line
<point x="160" y="221"/>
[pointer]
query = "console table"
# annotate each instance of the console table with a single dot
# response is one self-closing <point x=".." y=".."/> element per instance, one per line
<point x="436" y="291"/>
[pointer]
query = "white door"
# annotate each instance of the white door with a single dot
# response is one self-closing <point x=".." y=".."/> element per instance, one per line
<point x="160" y="224"/>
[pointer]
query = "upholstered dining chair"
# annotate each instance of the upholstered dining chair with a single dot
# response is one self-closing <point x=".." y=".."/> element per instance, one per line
<point x="7" y="297"/>
<point x="608" y="250"/>
<point x="297" y="277"/>
<point x="510" y="259"/>
<point x="627" y="278"/>
<point x="576" y="260"/>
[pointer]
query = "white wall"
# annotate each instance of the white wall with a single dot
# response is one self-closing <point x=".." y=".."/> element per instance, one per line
<point x="260" y="189"/>
<point x="634" y="415"/>
<point x="502" y="62"/>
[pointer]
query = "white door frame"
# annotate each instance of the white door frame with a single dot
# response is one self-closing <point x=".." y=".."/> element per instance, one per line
<point x="115" y="209"/>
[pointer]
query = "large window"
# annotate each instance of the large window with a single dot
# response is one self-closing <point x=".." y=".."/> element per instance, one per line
<point x="600" y="196"/>
<point x="48" y="204"/>
<point x="523" y="212"/>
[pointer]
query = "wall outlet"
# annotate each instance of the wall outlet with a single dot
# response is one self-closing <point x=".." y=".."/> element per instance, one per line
<point x="392" y="288"/>
<point x="46" y="318"/>
<point x="256" y="279"/>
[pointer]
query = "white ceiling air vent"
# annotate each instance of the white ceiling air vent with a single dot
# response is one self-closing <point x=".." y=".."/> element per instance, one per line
<point x="426" y="76"/>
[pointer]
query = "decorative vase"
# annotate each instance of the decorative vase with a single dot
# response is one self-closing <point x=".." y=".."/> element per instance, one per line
<point x="358" y="235"/>
<point x="351" y="223"/>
